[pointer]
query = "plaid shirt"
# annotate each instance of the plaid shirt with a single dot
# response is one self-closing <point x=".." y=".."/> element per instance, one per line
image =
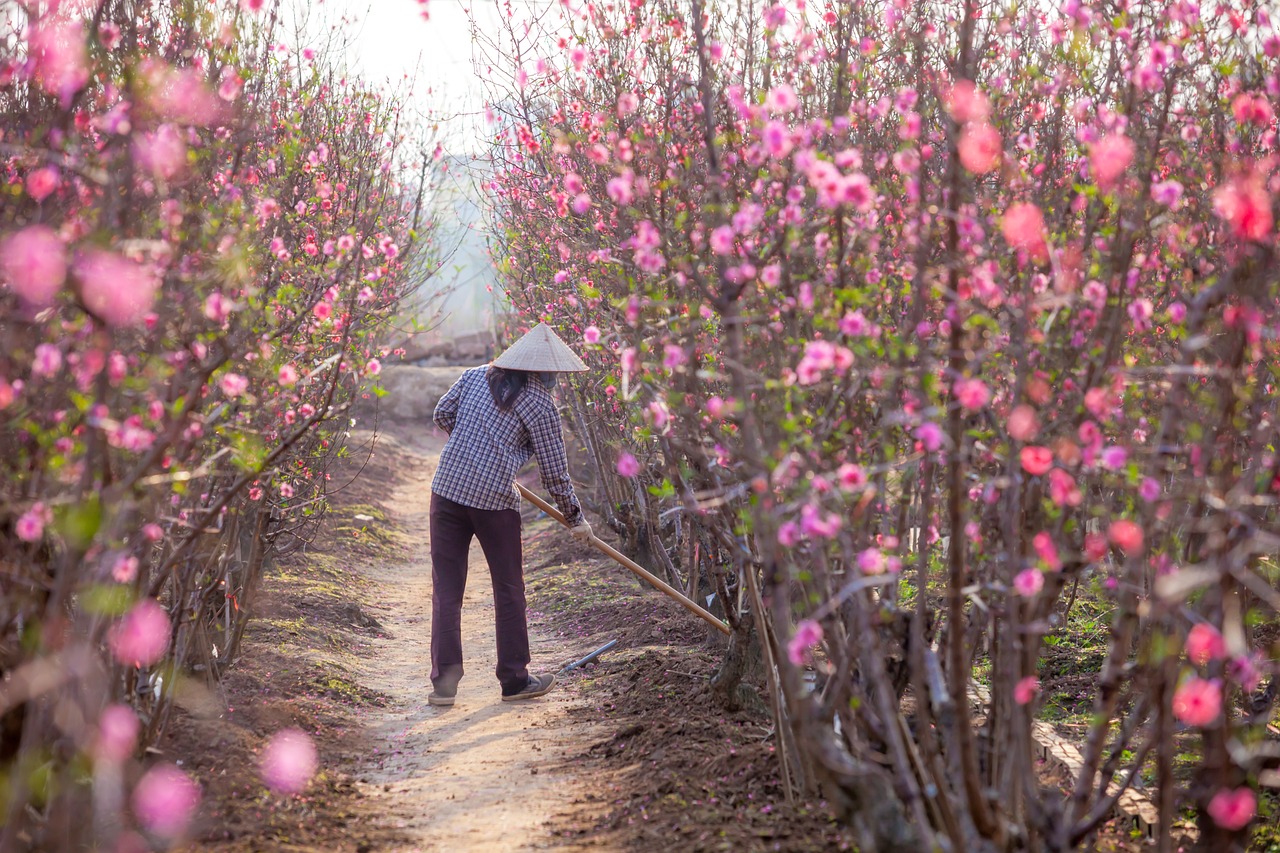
<point x="487" y="447"/>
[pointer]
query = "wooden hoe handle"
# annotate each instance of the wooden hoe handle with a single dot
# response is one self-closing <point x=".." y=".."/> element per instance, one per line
<point x="652" y="579"/>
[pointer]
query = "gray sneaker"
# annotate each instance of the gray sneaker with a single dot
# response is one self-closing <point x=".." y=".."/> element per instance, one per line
<point x="539" y="685"/>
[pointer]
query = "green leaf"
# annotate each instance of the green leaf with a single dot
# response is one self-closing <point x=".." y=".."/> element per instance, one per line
<point x="78" y="524"/>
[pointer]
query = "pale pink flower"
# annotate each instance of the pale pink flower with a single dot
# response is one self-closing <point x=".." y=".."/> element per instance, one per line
<point x="217" y="307"/>
<point x="619" y="189"/>
<point x="627" y="465"/>
<point x="581" y="203"/>
<point x="161" y="152"/>
<point x="1167" y="193"/>
<point x="42" y="182"/>
<point x="165" y="799"/>
<point x="33" y="262"/>
<point x="967" y="103"/>
<point x="30" y="525"/>
<point x="1023" y="424"/>
<point x="1197" y="701"/>
<point x="142" y="636"/>
<point x="373" y="367"/>
<point x="1204" y="643"/>
<point x="871" y="561"/>
<point x="117" y="733"/>
<point x="1026" y="689"/>
<point x="722" y="240"/>
<point x="777" y="138"/>
<point x="980" y="148"/>
<point x="1114" y="458"/>
<point x="252" y="5"/>
<point x="1023" y="228"/>
<point x="628" y="102"/>
<point x="781" y="99"/>
<point x="113" y="288"/>
<point x="230" y="84"/>
<point x="930" y="435"/>
<point x="972" y="394"/>
<point x="233" y="384"/>
<point x="152" y="532"/>
<point x="1109" y="157"/>
<point x="60" y="57"/>
<point x="788" y="534"/>
<point x="48" y="360"/>
<point x="286" y="490"/>
<point x="1233" y="809"/>
<point x="125" y="568"/>
<point x="591" y="335"/>
<point x="288" y="761"/>
<point x="808" y="634"/>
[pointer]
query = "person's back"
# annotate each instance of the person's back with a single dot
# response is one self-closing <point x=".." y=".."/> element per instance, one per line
<point x="498" y="417"/>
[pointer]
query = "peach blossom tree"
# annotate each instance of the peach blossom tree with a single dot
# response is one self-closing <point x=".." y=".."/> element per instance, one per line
<point x="203" y="235"/>
<point x="913" y="324"/>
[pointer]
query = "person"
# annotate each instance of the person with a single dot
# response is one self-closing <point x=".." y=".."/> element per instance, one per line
<point x="498" y="416"/>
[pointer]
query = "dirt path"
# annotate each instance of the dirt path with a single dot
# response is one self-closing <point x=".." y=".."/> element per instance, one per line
<point x="484" y="775"/>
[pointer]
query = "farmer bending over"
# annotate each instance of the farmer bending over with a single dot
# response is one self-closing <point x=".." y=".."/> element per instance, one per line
<point x="497" y="416"/>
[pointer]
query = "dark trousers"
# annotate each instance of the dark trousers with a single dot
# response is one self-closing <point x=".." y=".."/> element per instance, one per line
<point x="452" y="526"/>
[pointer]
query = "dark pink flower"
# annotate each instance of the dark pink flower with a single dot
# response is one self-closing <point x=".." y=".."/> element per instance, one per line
<point x="971" y="394"/>
<point x="33" y="262"/>
<point x="1026" y="689"/>
<point x="1125" y="535"/>
<point x="808" y="634"/>
<point x="627" y="465"/>
<point x="1036" y="460"/>
<point x="42" y="182"/>
<point x="1197" y="701"/>
<point x="1204" y="643"/>
<point x="1233" y="809"/>
<point x="1245" y="204"/>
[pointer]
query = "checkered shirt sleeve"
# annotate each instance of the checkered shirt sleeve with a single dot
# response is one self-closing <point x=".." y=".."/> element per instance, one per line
<point x="487" y="447"/>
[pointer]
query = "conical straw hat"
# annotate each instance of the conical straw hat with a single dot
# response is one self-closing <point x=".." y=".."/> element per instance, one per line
<point x="540" y="349"/>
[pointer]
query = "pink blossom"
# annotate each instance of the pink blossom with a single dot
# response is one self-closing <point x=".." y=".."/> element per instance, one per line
<point x="1028" y="582"/>
<point x="1232" y="809"/>
<point x="125" y="568"/>
<point x="628" y="103"/>
<point x="152" y="532"/>
<point x="1023" y="228"/>
<point x="372" y="367"/>
<point x="1036" y="460"/>
<point x="852" y="477"/>
<point x="1244" y="203"/>
<point x="788" y="534"/>
<point x="118" y="729"/>
<point x="288" y="376"/>
<point x="627" y="465"/>
<point x="60" y="57"/>
<point x="1026" y="689"/>
<point x="930" y="435"/>
<point x="591" y="335"/>
<point x="1109" y="157"/>
<point x="781" y="99"/>
<point x="871" y="561"/>
<point x="1046" y="550"/>
<point x="33" y="262"/>
<point x="42" y="182"/>
<point x="217" y="307"/>
<point x="722" y="239"/>
<point x="1125" y="535"/>
<point x="1114" y="458"/>
<point x="619" y="190"/>
<point x="165" y="799"/>
<point x="808" y="634"/>
<point x="1149" y="490"/>
<point x="581" y="204"/>
<point x="30" y="525"/>
<point x="980" y="148"/>
<point x="142" y="636"/>
<point x="230" y="84"/>
<point x="233" y="384"/>
<point x="1204" y="643"/>
<point x="1167" y="193"/>
<point x="48" y="360"/>
<point x="163" y="153"/>
<point x="971" y="394"/>
<point x="967" y="103"/>
<point x="252" y="5"/>
<point x="777" y="139"/>
<point x="1197" y="701"/>
<point x="288" y="761"/>
<point x="1023" y="424"/>
<point x="113" y="288"/>
<point x="322" y="311"/>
